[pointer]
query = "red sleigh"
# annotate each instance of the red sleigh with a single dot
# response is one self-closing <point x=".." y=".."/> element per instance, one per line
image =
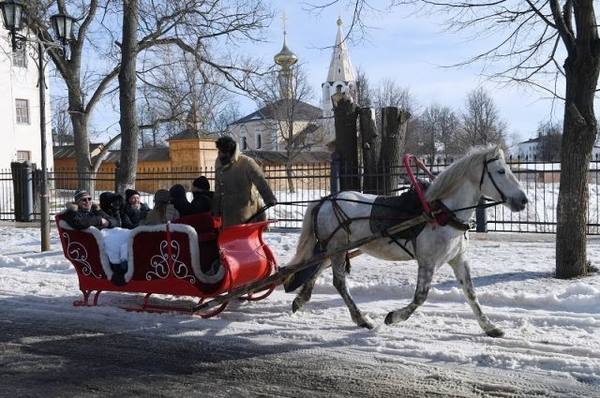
<point x="189" y="257"/>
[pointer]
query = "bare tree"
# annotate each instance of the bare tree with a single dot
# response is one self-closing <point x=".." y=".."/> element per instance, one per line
<point x="533" y="37"/>
<point x="389" y="93"/>
<point x="481" y="124"/>
<point x="179" y="94"/>
<point x="62" y="132"/>
<point x="363" y="89"/>
<point x="439" y="128"/>
<point x="549" y="138"/>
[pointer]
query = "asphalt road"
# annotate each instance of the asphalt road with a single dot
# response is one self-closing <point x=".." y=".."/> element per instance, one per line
<point x="42" y="357"/>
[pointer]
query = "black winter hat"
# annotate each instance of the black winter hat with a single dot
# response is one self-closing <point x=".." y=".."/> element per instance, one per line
<point x="106" y="201"/>
<point x="201" y="183"/>
<point x="177" y="191"/>
<point x="129" y="193"/>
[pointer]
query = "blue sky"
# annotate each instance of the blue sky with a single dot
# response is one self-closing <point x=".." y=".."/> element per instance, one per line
<point x="410" y="50"/>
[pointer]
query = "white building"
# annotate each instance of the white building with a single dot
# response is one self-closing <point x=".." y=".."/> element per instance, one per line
<point x="20" y="107"/>
<point x="525" y="150"/>
<point x="528" y="150"/>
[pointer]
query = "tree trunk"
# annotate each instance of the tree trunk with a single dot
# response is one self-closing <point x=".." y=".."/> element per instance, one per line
<point x="580" y="126"/>
<point x="393" y="135"/>
<point x="290" y="177"/>
<point x="81" y="140"/>
<point x="371" y="146"/>
<point x="346" y="144"/>
<point x="127" y="95"/>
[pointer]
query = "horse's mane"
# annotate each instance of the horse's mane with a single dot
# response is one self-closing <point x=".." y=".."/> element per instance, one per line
<point x="450" y="178"/>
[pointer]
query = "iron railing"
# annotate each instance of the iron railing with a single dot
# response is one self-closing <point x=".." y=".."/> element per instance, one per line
<point x="295" y="188"/>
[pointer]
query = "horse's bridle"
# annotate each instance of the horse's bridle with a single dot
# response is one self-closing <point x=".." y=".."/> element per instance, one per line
<point x="487" y="170"/>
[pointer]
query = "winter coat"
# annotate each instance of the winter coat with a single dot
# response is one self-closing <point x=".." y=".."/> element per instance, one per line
<point x="202" y="201"/>
<point x="236" y="198"/>
<point x="81" y="219"/>
<point x="179" y="200"/>
<point x="111" y="204"/>
<point x="132" y="217"/>
<point x="160" y="214"/>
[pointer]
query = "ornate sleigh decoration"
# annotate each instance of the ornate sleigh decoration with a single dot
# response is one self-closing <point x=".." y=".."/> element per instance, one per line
<point x="78" y="253"/>
<point x="161" y="267"/>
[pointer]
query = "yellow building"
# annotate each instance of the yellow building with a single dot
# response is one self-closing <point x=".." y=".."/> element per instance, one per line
<point x="187" y="154"/>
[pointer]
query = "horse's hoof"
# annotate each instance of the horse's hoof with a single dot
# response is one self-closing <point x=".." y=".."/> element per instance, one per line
<point x="495" y="332"/>
<point x="295" y="306"/>
<point x="389" y="319"/>
<point x="367" y="325"/>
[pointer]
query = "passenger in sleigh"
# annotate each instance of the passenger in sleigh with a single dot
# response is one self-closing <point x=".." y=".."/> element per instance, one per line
<point x="82" y="213"/>
<point x="134" y="211"/>
<point x="202" y="194"/>
<point x="111" y="204"/>
<point x="180" y="201"/>
<point x="115" y="239"/>
<point x="163" y="210"/>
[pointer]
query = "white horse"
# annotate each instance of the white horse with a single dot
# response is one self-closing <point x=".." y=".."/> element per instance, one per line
<point x="482" y="171"/>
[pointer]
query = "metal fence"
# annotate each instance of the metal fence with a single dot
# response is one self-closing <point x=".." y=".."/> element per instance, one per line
<point x="306" y="183"/>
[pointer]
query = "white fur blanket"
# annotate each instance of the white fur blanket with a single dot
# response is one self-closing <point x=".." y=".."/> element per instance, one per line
<point x="116" y="242"/>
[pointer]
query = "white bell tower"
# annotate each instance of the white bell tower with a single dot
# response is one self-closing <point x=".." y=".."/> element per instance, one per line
<point x="341" y="76"/>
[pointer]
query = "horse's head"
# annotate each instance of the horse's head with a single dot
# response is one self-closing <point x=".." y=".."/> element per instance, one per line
<point x="499" y="183"/>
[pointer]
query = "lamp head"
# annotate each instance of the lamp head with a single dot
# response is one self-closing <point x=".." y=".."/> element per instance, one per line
<point x="62" y="25"/>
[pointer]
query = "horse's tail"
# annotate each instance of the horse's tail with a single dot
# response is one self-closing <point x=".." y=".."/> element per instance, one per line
<point x="305" y="250"/>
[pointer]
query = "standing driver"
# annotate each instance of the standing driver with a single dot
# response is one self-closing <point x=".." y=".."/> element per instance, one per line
<point x="237" y="180"/>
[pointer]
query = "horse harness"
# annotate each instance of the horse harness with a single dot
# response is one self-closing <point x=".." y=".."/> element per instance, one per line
<point x="342" y="218"/>
<point x="440" y="214"/>
<point x="486" y="170"/>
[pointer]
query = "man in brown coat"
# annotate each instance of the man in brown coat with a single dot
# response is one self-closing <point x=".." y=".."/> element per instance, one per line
<point x="237" y="180"/>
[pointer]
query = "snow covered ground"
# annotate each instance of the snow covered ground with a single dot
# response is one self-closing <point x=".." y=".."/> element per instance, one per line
<point x="552" y="326"/>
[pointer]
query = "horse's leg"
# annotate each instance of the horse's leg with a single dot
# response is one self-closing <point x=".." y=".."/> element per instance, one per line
<point x="460" y="265"/>
<point x="338" y="264"/>
<point x="306" y="292"/>
<point x="423" y="284"/>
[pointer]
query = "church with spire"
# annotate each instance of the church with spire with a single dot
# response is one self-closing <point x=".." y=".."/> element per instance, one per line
<point x="341" y="77"/>
<point x="264" y="130"/>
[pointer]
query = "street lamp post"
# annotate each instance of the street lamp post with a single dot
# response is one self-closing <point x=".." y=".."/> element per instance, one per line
<point x="13" y="12"/>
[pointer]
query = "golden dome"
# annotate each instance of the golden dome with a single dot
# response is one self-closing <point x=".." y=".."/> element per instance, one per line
<point x="285" y="57"/>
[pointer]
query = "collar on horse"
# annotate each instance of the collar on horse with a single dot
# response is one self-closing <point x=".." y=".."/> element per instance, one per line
<point x="437" y="211"/>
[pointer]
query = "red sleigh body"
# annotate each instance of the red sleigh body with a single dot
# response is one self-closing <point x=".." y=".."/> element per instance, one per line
<point x="189" y="257"/>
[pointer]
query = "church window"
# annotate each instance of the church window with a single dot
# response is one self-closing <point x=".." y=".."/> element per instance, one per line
<point x="244" y="143"/>
<point x="258" y="141"/>
<point x="22" y="111"/>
